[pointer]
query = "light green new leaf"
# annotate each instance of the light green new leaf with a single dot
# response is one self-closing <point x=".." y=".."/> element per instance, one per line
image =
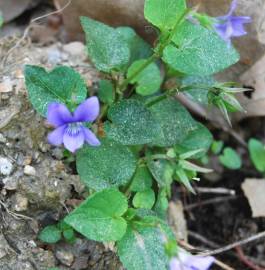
<point x="139" y="49"/>
<point x="174" y="120"/>
<point x="164" y="13"/>
<point x="108" y="165"/>
<point x="199" y="51"/>
<point x="142" y="180"/>
<point x="148" y="81"/>
<point x="106" y="47"/>
<point x="131" y="123"/>
<point x="230" y="159"/>
<point x="1" y="19"/>
<point x="257" y="154"/>
<point x="50" y="234"/>
<point x="144" y="199"/>
<point x="62" y="84"/>
<point x="142" y="248"/>
<point x="99" y="216"/>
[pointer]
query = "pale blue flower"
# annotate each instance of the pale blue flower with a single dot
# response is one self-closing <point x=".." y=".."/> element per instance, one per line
<point x="70" y="129"/>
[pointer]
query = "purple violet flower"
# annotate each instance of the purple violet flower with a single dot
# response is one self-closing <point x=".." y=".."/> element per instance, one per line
<point x="70" y="129"/>
<point x="229" y="26"/>
<point x="186" y="261"/>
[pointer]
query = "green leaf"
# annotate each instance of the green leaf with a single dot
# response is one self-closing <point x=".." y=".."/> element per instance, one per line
<point x="106" y="92"/>
<point x="99" y="216"/>
<point x="161" y="205"/>
<point x="108" y="165"/>
<point x="106" y="47"/>
<point x="148" y="81"/>
<point x="162" y="171"/>
<point x="144" y="199"/>
<point x="230" y="159"/>
<point x="257" y="154"/>
<point x="62" y="84"/>
<point x="142" y="248"/>
<point x="164" y="13"/>
<point x="174" y="120"/>
<point x="131" y="123"/>
<point x="1" y="19"/>
<point x="217" y="147"/>
<point x="193" y="167"/>
<point x="183" y="178"/>
<point x="69" y="235"/>
<point x="142" y="180"/>
<point x="138" y="47"/>
<point x="198" y="138"/>
<point x="197" y="88"/>
<point x="199" y="51"/>
<point x="50" y="234"/>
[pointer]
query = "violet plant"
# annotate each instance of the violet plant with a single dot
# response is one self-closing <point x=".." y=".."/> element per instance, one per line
<point x="149" y="139"/>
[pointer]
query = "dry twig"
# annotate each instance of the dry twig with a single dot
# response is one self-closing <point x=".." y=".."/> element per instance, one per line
<point x="233" y="245"/>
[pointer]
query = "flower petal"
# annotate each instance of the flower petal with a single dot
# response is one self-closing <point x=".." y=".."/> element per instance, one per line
<point x="200" y="263"/>
<point x="87" y="111"/>
<point x="58" y="114"/>
<point x="56" y="137"/>
<point x="72" y="142"/>
<point x="90" y="137"/>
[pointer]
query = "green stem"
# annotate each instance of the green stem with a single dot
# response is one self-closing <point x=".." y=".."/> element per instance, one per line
<point x="158" y="53"/>
<point x="138" y="71"/>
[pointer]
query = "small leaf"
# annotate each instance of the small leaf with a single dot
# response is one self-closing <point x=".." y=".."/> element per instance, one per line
<point x="164" y="13"/>
<point x="217" y="147"/>
<point x="1" y="19"/>
<point x="230" y="159"/>
<point x="142" y="248"/>
<point x="190" y="154"/>
<point x="231" y="101"/>
<point x="161" y="205"/>
<point x="142" y="180"/>
<point x="62" y="84"/>
<point x="69" y="235"/>
<point x="106" y="92"/>
<point x="193" y="167"/>
<point x="162" y="171"/>
<point x="144" y="199"/>
<point x="108" y="165"/>
<point x="197" y="87"/>
<point x="183" y="178"/>
<point x="257" y="154"/>
<point x="148" y="81"/>
<point x="200" y="138"/>
<point x="50" y="234"/>
<point x="199" y="51"/>
<point x="99" y="216"/>
<point x="106" y="47"/>
<point x="131" y="123"/>
<point x="138" y="47"/>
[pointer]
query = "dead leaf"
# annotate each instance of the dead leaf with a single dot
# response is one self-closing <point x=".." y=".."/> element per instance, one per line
<point x="254" y="190"/>
<point x="177" y="221"/>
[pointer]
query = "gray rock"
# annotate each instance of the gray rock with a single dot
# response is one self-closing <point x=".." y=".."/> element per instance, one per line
<point x="65" y="257"/>
<point x="6" y="166"/>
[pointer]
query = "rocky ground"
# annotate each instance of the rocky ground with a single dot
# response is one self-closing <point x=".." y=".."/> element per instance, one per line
<point x="36" y="187"/>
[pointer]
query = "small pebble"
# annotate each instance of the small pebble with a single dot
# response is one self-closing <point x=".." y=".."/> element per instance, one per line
<point x="65" y="257"/>
<point x="2" y="138"/>
<point x="21" y="203"/>
<point x="6" y="166"/>
<point x="29" y="170"/>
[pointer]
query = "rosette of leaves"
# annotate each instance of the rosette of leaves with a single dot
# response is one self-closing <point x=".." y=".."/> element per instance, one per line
<point x="148" y="138"/>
